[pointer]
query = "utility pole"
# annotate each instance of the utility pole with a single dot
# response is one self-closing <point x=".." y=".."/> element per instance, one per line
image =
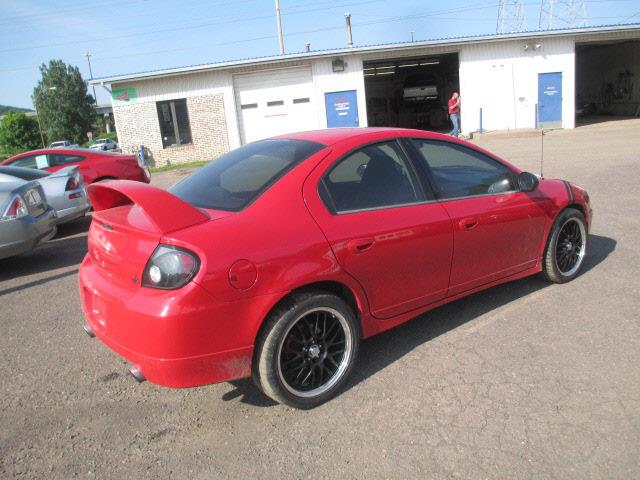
<point x="279" y="19"/>
<point x="511" y="17"/>
<point x="562" y="14"/>
<point x="349" y="34"/>
<point x="88" y="55"/>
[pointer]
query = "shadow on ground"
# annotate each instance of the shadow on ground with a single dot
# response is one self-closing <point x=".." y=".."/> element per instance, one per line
<point x="382" y="350"/>
<point x="67" y="248"/>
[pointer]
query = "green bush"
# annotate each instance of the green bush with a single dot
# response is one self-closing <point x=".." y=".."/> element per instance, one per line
<point x="18" y="133"/>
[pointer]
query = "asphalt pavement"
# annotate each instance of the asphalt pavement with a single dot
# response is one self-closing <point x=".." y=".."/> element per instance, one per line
<point x="525" y="380"/>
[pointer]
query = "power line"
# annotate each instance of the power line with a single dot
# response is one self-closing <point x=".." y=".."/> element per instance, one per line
<point x="185" y="25"/>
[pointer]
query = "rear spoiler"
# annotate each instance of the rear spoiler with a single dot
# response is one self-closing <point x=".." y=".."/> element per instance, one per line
<point x="65" y="172"/>
<point x="166" y="211"/>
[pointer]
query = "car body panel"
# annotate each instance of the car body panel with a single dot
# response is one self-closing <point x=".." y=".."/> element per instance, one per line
<point x="20" y="235"/>
<point x="68" y="204"/>
<point x="94" y="165"/>
<point x="287" y="240"/>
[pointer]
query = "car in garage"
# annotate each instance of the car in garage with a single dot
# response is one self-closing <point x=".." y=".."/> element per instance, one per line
<point x="275" y="260"/>
<point x="94" y="165"/>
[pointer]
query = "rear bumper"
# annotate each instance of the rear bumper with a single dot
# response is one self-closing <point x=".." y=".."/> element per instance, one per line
<point x="24" y="234"/>
<point x="180" y="338"/>
<point x="68" y="214"/>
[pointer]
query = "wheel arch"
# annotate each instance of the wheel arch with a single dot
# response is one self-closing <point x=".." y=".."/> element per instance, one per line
<point x="337" y="288"/>
<point x="103" y="178"/>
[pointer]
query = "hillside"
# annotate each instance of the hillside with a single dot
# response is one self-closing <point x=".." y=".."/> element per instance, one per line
<point x="6" y="108"/>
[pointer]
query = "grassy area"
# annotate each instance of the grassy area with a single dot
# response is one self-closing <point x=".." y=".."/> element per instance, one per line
<point x="177" y="166"/>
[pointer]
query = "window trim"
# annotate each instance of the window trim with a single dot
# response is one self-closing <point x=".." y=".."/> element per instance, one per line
<point x="174" y="116"/>
<point x="413" y="174"/>
<point x="428" y="174"/>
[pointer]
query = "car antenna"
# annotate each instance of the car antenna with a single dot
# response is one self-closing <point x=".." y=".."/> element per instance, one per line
<point x="541" y="152"/>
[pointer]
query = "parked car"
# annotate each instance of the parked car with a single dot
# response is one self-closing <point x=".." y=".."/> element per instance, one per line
<point x="63" y="144"/>
<point x="104" y="144"/>
<point x="64" y="189"/>
<point x="26" y="220"/>
<point x="277" y="258"/>
<point x="421" y="86"/>
<point x="94" y="165"/>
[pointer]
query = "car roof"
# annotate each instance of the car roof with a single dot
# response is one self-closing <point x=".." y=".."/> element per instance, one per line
<point x="331" y="136"/>
<point x="70" y="151"/>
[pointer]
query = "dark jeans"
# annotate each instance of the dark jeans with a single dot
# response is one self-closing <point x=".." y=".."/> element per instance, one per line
<point x="455" y="119"/>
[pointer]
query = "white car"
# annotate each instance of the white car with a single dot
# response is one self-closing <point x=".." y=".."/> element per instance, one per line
<point x="104" y="144"/>
<point x="63" y="144"/>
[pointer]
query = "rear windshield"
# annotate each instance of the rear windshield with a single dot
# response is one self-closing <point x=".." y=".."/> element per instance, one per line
<point x="237" y="178"/>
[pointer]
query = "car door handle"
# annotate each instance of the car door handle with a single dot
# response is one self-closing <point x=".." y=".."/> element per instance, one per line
<point x="360" y="245"/>
<point x="468" y="223"/>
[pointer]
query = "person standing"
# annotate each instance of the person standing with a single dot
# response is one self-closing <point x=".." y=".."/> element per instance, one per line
<point x="454" y="113"/>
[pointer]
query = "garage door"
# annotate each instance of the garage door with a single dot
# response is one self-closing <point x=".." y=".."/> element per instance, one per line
<point x="275" y="102"/>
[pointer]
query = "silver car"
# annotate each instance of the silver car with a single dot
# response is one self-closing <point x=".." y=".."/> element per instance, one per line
<point x="63" y="189"/>
<point x="26" y="220"/>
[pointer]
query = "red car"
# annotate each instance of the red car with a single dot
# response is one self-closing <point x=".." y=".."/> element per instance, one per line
<point x="94" y="165"/>
<point x="276" y="259"/>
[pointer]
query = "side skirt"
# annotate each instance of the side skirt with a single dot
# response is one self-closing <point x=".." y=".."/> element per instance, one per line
<point x="372" y="326"/>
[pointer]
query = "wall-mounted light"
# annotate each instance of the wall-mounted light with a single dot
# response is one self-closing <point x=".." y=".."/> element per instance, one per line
<point x="537" y="46"/>
<point x="526" y="47"/>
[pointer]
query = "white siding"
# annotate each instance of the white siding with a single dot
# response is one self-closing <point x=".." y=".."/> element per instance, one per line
<point x="325" y="81"/>
<point x="502" y="79"/>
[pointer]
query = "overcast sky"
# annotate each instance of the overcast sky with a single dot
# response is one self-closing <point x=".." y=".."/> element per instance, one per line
<point x="126" y="36"/>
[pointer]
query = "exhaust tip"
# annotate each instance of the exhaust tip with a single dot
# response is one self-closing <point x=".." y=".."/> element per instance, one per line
<point x="137" y="373"/>
<point x="88" y="330"/>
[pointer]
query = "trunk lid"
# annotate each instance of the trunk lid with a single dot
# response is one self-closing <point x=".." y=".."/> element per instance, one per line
<point x="129" y="220"/>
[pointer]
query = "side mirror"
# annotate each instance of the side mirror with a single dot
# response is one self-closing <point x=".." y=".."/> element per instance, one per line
<point x="527" y="182"/>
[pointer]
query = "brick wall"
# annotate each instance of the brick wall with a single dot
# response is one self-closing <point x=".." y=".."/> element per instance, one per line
<point x="138" y="124"/>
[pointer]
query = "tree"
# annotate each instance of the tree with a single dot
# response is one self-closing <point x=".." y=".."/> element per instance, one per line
<point x="64" y="106"/>
<point x="19" y="133"/>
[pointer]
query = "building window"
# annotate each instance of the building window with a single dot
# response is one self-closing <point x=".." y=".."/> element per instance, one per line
<point x="275" y="103"/>
<point x="300" y="100"/>
<point x="174" y="122"/>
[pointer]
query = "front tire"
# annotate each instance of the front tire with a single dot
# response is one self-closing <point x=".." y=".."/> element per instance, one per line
<point x="566" y="247"/>
<point x="306" y="349"/>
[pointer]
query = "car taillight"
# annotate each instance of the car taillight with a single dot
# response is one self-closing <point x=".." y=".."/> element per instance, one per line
<point x="170" y="267"/>
<point x="72" y="184"/>
<point x="17" y="208"/>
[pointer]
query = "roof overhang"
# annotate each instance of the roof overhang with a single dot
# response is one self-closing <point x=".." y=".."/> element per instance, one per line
<point x="404" y="47"/>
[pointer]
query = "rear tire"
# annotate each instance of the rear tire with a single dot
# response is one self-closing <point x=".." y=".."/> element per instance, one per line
<point x="566" y="247"/>
<point x="306" y="349"/>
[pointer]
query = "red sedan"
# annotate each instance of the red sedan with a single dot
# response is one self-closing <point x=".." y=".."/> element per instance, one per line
<point x="94" y="165"/>
<point x="276" y="259"/>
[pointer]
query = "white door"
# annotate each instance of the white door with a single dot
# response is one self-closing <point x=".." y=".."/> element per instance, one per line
<point x="275" y="102"/>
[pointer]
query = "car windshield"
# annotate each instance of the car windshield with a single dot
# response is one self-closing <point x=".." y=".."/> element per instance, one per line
<point x="237" y="178"/>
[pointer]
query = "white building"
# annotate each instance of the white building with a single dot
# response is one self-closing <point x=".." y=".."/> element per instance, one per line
<point x="511" y="81"/>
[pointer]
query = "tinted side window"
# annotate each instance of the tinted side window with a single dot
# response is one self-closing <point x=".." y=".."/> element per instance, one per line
<point x="32" y="161"/>
<point x="375" y="176"/>
<point x="58" y="159"/>
<point x="462" y="172"/>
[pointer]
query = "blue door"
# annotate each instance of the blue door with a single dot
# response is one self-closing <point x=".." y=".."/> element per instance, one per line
<point x="342" y="109"/>
<point x="550" y="100"/>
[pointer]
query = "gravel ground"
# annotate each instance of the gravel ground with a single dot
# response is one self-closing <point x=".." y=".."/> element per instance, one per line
<point x="526" y="380"/>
